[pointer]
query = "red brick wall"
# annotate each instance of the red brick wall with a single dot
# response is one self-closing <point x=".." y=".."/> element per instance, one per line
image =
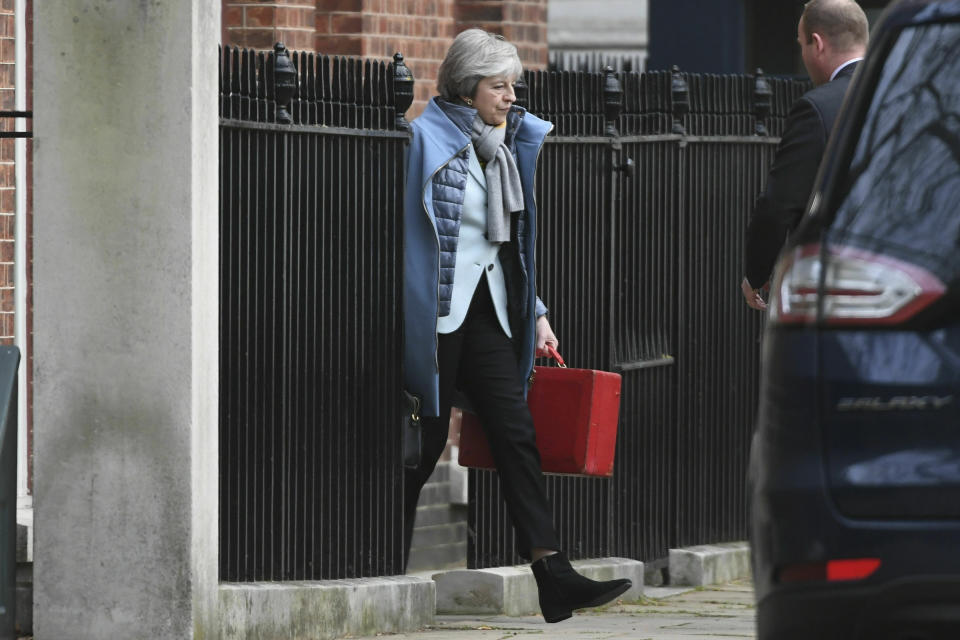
<point x="339" y="27"/>
<point x="419" y="29"/>
<point x="258" y="25"/>
<point x="522" y="22"/>
<point x="8" y="200"/>
<point x="7" y="169"/>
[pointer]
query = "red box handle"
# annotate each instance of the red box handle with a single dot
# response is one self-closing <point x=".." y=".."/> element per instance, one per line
<point x="553" y="353"/>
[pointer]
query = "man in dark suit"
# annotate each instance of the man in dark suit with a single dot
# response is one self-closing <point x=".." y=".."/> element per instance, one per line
<point x="833" y="38"/>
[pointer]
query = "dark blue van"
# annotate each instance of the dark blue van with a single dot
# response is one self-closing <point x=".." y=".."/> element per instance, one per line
<point x="855" y="465"/>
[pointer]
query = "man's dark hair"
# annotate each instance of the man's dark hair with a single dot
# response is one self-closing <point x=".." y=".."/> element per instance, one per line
<point x="841" y="22"/>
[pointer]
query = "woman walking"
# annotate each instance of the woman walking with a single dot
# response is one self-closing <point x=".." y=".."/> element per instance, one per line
<point x="472" y="319"/>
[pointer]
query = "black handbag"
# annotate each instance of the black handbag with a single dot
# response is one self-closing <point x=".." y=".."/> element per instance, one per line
<point x="412" y="432"/>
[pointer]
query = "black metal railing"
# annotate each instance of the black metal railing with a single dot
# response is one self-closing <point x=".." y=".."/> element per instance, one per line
<point x="310" y="196"/>
<point x="596" y="61"/>
<point x="644" y="189"/>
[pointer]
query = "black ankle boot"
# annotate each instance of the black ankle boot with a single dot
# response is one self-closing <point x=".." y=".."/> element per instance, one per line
<point x="562" y="589"/>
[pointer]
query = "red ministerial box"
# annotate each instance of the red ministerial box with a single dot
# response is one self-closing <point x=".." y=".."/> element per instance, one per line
<point x="575" y="413"/>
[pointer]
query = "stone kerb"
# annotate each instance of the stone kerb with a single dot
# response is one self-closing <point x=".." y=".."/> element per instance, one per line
<point x="709" y="564"/>
<point x="325" y="610"/>
<point x="512" y="591"/>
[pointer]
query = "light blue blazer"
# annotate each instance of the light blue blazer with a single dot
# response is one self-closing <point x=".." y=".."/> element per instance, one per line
<point x="475" y="256"/>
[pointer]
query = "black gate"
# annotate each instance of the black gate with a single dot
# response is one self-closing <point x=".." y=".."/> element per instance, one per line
<point x="643" y="191"/>
<point x="310" y="223"/>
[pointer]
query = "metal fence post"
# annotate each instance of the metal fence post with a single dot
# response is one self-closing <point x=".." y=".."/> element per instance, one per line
<point x="9" y="359"/>
<point x="612" y="108"/>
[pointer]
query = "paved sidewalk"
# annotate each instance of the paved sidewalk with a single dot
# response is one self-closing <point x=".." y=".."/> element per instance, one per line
<point x="709" y="613"/>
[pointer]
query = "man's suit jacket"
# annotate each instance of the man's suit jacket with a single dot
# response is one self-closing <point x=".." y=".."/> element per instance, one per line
<point x="781" y="205"/>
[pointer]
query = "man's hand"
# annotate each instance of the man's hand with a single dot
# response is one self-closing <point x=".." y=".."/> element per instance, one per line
<point x="544" y="336"/>
<point x="751" y="295"/>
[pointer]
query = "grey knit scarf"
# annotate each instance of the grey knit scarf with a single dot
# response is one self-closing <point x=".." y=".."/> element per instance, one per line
<point x="504" y="190"/>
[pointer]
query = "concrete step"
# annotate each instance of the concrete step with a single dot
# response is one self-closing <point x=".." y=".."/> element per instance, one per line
<point x="24" y="596"/>
<point x="441" y="473"/>
<point x="439" y="534"/>
<point x="512" y="591"/>
<point x="440" y="531"/>
<point x="24" y="550"/>
<point x="434" y="493"/>
<point x="429" y="516"/>
<point x="24" y="576"/>
<point x="438" y="558"/>
<point x="324" y="610"/>
<point x="709" y="564"/>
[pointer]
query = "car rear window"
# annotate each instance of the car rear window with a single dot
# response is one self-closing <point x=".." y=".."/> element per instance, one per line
<point x="903" y="184"/>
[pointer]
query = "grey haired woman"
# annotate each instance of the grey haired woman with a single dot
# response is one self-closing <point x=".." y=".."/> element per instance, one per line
<point x="472" y="320"/>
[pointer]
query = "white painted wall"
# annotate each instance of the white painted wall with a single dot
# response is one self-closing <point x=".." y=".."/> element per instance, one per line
<point x="20" y="254"/>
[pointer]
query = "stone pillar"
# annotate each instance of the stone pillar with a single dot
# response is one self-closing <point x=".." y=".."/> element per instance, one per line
<point x="126" y="314"/>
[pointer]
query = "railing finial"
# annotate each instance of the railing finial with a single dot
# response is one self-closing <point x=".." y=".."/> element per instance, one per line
<point x="761" y="102"/>
<point x="284" y="81"/>
<point x="680" y="98"/>
<point x="402" y="90"/>
<point x="612" y="100"/>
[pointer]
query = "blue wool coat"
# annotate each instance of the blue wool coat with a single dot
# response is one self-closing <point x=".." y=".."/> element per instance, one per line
<point x="436" y="178"/>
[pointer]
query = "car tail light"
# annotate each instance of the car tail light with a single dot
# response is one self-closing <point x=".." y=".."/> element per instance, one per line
<point x="843" y="570"/>
<point x="859" y="287"/>
<point x="831" y="571"/>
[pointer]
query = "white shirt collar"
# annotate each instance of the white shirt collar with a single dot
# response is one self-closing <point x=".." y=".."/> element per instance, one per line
<point x="843" y="66"/>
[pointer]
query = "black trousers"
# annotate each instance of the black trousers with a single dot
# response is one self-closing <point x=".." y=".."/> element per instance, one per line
<point x="479" y="360"/>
